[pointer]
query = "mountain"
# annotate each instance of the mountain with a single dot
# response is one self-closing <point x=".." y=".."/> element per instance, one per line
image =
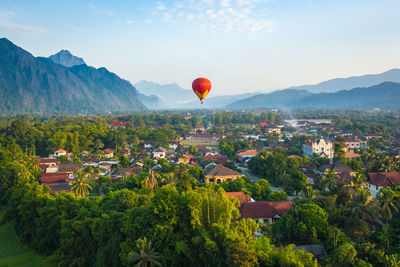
<point x="276" y="99"/>
<point x="170" y="94"/>
<point x="384" y="96"/>
<point x="339" y="84"/>
<point x="31" y="84"/>
<point x="151" y="101"/>
<point x="65" y="58"/>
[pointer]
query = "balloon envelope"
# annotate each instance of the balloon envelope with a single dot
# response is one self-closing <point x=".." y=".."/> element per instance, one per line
<point x="201" y="87"/>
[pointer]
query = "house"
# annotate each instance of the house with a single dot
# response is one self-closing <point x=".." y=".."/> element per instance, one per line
<point x="220" y="158"/>
<point x="137" y="168"/>
<point x="70" y="168"/>
<point x="239" y="196"/>
<point x="108" y="153"/>
<point x="186" y="158"/>
<point x="149" y="144"/>
<point x="116" y="124"/>
<point x="204" y="137"/>
<point x="351" y="155"/>
<point x="159" y="153"/>
<point x="174" y="144"/>
<point x="220" y="174"/>
<point x="57" y="182"/>
<point x="247" y="153"/>
<point x="125" y="151"/>
<point x="59" y="153"/>
<point x="344" y="172"/>
<point x="322" y="147"/>
<point x="199" y="128"/>
<point x="70" y="156"/>
<point x="380" y="180"/>
<point x="48" y="164"/>
<point x="351" y="143"/>
<point x="263" y="124"/>
<point x="273" y="129"/>
<point x="265" y="211"/>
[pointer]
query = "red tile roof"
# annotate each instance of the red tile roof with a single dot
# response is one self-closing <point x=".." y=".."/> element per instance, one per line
<point x="240" y="196"/>
<point x="264" y="209"/>
<point x="351" y="155"/>
<point x="55" y="177"/>
<point x="220" y="170"/>
<point x="384" y="178"/>
<point x="248" y="152"/>
<point x="219" y="158"/>
<point x="108" y="151"/>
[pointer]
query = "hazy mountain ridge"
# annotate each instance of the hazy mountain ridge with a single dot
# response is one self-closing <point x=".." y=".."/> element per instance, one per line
<point x="385" y="96"/>
<point x="348" y="83"/>
<point x="275" y="99"/>
<point x="30" y="84"/>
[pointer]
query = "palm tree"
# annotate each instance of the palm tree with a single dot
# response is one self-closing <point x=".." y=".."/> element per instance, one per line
<point x="361" y="209"/>
<point x="151" y="182"/>
<point x="329" y="182"/>
<point x="145" y="254"/>
<point x="358" y="181"/>
<point x="386" y="164"/>
<point x="386" y="203"/>
<point x="313" y="160"/>
<point x="81" y="184"/>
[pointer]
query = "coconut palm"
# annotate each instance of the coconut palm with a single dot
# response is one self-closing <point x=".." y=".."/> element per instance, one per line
<point x="314" y="160"/>
<point x="144" y="255"/>
<point x="81" y="184"/>
<point x="151" y="182"/>
<point x="386" y="203"/>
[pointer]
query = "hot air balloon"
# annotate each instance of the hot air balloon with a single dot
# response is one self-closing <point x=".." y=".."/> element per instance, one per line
<point x="201" y="87"/>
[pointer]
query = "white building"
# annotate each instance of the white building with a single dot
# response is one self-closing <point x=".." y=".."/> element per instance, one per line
<point x="322" y="147"/>
<point x="159" y="153"/>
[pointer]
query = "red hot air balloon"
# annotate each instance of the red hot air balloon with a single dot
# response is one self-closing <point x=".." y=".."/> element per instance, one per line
<point x="201" y="87"/>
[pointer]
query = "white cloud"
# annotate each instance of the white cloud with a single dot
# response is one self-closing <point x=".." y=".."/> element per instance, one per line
<point x="219" y="15"/>
<point x="129" y="22"/>
<point x="161" y="6"/>
<point x="148" y="21"/>
<point x="7" y="24"/>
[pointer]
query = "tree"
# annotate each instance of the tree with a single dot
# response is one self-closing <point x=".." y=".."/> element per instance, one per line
<point x="387" y="204"/>
<point x="81" y="184"/>
<point x="151" y="182"/>
<point x="144" y="255"/>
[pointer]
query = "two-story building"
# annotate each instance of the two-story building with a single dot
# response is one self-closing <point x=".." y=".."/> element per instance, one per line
<point x="322" y="147"/>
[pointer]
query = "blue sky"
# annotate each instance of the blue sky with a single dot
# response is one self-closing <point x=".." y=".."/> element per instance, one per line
<point x="240" y="45"/>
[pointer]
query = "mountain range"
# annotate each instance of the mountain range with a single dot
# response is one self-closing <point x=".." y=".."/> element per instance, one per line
<point x="63" y="83"/>
<point x="384" y="96"/>
<point x="31" y="84"/>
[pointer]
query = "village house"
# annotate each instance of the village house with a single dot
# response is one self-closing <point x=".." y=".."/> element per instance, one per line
<point x="48" y="165"/>
<point x="219" y="158"/>
<point x="125" y="152"/>
<point x="265" y="211"/>
<point x="220" y="174"/>
<point x="247" y="153"/>
<point x="57" y="182"/>
<point x="345" y="173"/>
<point x="204" y="137"/>
<point x="58" y="153"/>
<point x="159" y="153"/>
<point x="199" y="128"/>
<point x="351" y="155"/>
<point x="137" y="168"/>
<point x="351" y="143"/>
<point x="108" y="153"/>
<point x="174" y="144"/>
<point x="322" y="147"/>
<point x="70" y="168"/>
<point x="239" y="196"/>
<point x="273" y="129"/>
<point x="380" y="180"/>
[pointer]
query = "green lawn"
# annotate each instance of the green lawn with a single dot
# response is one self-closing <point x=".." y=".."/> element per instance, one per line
<point x="14" y="253"/>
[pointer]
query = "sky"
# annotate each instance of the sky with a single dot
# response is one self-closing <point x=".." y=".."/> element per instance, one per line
<point x="240" y="45"/>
